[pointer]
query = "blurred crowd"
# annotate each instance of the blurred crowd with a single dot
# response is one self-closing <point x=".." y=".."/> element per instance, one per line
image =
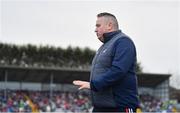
<point x="41" y="101"/>
<point x="71" y="102"/>
<point x="152" y="104"/>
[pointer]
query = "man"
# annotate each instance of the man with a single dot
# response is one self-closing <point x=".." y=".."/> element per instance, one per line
<point x="113" y="80"/>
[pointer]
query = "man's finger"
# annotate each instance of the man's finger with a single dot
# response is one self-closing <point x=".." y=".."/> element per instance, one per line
<point x="77" y="82"/>
<point x="82" y="87"/>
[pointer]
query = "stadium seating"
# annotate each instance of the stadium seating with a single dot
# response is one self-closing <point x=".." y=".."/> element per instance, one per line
<point x="40" y="101"/>
<point x="34" y="101"/>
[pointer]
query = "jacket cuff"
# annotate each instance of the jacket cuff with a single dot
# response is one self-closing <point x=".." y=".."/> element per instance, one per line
<point x="92" y="86"/>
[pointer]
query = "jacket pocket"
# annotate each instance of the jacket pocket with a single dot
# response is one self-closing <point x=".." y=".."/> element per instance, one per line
<point x="104" y="98"/>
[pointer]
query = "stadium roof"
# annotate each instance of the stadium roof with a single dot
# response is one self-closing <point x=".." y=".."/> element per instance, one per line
<point x="31" y="74"/>
<point x="66" y="75"/>
<point x="151" y="80"/>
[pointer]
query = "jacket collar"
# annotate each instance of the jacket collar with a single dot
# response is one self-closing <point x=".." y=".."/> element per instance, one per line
<point x="108" y="36"/>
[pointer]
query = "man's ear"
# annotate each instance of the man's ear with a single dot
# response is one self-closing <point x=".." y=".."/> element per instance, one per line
<point x="110" y="26"/>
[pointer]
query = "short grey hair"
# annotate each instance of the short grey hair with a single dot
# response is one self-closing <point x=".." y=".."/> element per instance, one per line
<point x="110" y="17"/>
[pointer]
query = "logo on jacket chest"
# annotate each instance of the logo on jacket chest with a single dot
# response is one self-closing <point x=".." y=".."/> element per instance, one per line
<point x="104" y="50"/>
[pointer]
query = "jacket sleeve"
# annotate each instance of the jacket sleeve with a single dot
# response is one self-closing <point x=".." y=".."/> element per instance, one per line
<point x="124" y="57"/>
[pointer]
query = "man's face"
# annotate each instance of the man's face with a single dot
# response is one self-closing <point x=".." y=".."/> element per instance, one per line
<point x="101" y="28"/>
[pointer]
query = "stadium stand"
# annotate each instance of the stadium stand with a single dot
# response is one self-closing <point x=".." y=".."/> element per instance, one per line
<point x="39" y="79"/>
<point x="19" y="77"/>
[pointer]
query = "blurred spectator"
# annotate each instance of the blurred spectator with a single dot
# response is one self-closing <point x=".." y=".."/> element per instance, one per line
<point x="21" y="101"/>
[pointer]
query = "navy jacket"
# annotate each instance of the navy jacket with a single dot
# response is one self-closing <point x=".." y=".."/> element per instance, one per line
<point x="113" y="79"/>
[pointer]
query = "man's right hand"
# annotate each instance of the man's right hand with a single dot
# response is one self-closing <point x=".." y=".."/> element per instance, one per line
<point x="82" y="84"/>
